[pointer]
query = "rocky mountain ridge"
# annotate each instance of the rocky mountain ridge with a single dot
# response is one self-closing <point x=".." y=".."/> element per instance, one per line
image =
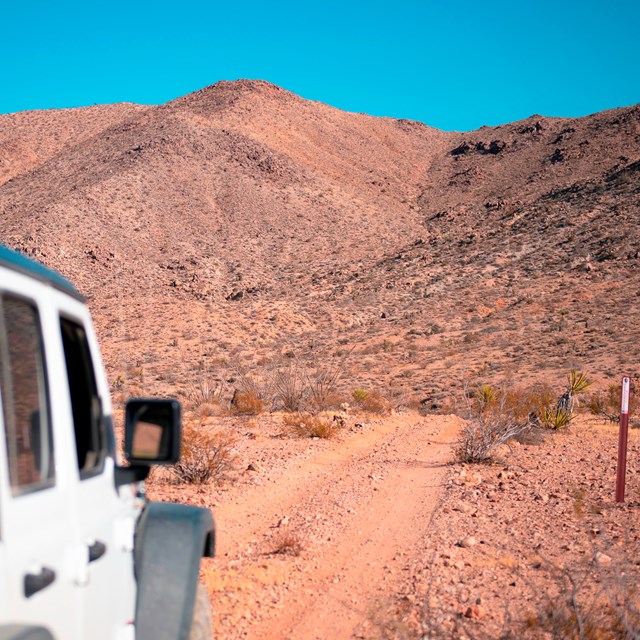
<point x="241" y="222"/>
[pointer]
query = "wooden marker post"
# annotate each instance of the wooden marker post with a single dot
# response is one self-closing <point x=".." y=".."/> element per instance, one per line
<point x="622" y="442"/>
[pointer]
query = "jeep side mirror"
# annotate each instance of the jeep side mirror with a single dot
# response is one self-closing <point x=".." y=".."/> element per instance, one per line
<point x="152" y="431"/>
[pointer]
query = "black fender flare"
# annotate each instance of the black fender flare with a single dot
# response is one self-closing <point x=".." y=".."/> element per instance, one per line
<point x="170" y="541"/>
<point x="24" y="632"/>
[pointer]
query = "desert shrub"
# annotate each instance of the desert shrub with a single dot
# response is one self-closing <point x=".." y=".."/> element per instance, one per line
<point x="118" y="383"/>
<point x="288" y="385"/>
<point x="247" y="403"/>
<point x="607" y="403"/>
<point x="202" y="391"/>
<point x="598" y="403"/>
<point x="248" y="397"/>
<point x="540" y="398"/>
<point x="207" y="409"/>
<point x="540" y="405"/>
<point x="322" y="383"/>
<point x="486" y="431"/>
<point x="287" y="543"/>
<point x="297" y="385"/>
<point x="376" y="404"/>
<point x="604" y="609"/>
<point x="306" y="425"/>
<point x="371" y="401"/>
<point x="136" y="372"/>
<point x="496" y="416"/>
<point x="579" y="602"/>
<point x="359" y="395"/>
<point x="527" y="403"/>
<point x="207" y="456"/>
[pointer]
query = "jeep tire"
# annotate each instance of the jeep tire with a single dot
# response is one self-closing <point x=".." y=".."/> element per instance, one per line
<point x="201" y="626"/>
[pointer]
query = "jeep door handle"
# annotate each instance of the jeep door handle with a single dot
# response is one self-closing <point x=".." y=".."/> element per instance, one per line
<point x="34" y="582"/>
<point x="97" y="550"/>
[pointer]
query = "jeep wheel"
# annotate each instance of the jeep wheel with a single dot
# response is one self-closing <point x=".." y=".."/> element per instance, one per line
<point x="201" y="627"/>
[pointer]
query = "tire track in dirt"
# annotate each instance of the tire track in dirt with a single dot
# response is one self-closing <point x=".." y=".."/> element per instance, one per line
<point x="357" y="511"/>
<point x="259" y="509"/>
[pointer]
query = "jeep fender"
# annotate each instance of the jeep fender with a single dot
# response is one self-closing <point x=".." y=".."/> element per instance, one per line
<point x="170" y="540"/>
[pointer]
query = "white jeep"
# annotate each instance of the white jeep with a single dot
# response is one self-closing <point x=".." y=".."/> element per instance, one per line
<point x="82" y="555"/>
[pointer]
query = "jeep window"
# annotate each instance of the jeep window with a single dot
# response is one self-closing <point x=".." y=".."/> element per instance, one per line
<point x="85" y="403"/>
<point x="23" y="394"/>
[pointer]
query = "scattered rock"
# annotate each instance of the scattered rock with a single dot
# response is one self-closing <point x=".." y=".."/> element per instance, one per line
<point x="235" y="296"/>
<point x="465" y="147"/>
<point x="493" y="148"/>
<point x="603" y="559"/>
<point x="474" y="612"/>
<point x="467" y="542"/>
<point x="464" y="507"/>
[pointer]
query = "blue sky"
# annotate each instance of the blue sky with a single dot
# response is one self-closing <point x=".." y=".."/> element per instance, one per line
<point x="453" y="65"/>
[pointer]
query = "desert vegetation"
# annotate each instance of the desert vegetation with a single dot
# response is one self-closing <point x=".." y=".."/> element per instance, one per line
<point x="523" y="545"/>
<point x="370" y="401"/>
<point x="287" y="543"/>
<point x="305" y="425"/>
<point x="566" y="565"/>
<point x="207" y="456"/>
<point x="496" y="416"/>
<point x="605" y="403"/>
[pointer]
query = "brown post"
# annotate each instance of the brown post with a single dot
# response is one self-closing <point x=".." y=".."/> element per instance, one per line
<point x="622" y="441"/>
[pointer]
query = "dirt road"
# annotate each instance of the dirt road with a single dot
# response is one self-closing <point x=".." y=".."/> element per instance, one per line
<point x="316" y="552"/>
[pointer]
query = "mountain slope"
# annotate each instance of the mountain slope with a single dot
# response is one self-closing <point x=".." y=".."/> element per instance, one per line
<point x="241" y="222"/>
<point x="30" y="138"/>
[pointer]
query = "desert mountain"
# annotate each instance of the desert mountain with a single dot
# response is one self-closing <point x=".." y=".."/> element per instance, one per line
<point x="240" y="223"/>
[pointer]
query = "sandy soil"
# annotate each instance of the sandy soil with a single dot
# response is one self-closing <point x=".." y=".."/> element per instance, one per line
<point x="310" y="548"/>
<point x="532" y="545"/>
<point x="380" y="534"/>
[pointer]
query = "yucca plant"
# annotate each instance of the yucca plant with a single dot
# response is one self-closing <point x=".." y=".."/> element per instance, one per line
<point x="555" y="418"/>
<point x="486" y="395"/>
<point x="578" y="382"/>
<point x="360" y="395"/>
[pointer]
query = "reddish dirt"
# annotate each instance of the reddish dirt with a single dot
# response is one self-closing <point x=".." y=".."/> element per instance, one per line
<point x="551" y="549"/>
<point x="379" y="534"/>
<point x="357" y="507"/>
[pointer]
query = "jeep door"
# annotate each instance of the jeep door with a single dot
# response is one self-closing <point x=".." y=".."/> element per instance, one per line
<point x="106" y="517"/>
<point x="38" y="550"/>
